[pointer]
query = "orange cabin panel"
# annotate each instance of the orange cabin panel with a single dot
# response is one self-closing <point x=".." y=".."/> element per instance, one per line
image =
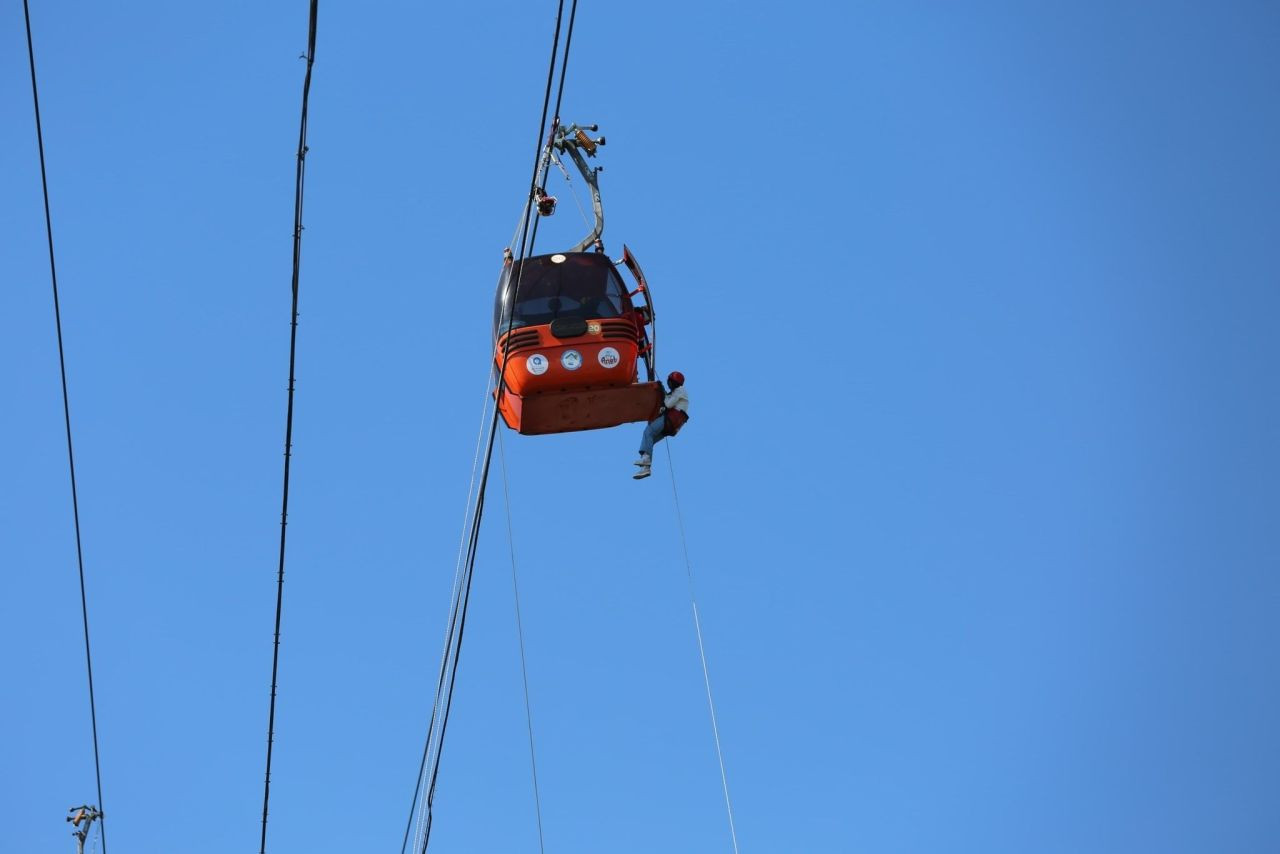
<point x="605" y="355"/>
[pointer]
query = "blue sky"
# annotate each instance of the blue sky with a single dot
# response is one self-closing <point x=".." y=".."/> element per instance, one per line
<point x="977" y="308"/>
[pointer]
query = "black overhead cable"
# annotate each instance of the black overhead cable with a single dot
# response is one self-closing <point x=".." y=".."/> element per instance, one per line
<point x="288" y="428"/>
<point x="433" y="749"/>
<point x="564" y="64"/>
<point x="66" y="411"/>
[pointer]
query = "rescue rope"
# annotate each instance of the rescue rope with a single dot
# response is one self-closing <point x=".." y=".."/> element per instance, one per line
<point x="66" y="412"/>
<point x="288" y="429"/>
<point x="702" y="652"/>
<point x="524" y="667"/>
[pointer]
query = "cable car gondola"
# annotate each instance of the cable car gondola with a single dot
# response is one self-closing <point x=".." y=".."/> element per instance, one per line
<point x="569" y="336"/>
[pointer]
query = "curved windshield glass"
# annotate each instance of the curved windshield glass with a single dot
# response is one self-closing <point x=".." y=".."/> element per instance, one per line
<point x="582" y="284"/>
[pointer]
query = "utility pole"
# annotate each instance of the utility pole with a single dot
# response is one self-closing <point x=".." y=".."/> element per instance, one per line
<point x="86" y="815"/>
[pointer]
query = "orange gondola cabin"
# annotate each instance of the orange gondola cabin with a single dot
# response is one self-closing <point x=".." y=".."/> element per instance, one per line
<point x="569" y="335"/>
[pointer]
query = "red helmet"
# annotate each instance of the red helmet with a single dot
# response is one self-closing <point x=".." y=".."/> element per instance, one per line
<point x="675" y="379"/>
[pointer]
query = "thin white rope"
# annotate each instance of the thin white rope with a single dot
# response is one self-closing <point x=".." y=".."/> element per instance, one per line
<point x="524" y="212"/>
<point x="475" y="470"/>
<point x="524" y="669"/>
<point x="573" y="192"/>
<point x="702" y="652"/>
<point x="420" y="818"/>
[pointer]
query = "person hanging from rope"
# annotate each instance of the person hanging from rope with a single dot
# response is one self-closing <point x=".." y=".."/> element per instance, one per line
<point x="674" y="413"/>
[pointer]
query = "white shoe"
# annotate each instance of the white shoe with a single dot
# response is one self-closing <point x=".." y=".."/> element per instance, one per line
<point x="642" y="474"/>
<point x="645" y="461"/>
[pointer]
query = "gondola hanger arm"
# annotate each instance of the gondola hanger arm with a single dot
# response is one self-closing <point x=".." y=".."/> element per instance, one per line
<point x="573" y="140"/>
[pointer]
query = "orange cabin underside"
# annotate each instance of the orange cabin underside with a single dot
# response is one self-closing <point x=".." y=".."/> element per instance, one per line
<point x="586" y="409"/>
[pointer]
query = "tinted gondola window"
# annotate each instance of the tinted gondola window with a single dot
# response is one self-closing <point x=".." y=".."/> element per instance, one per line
<point x="583" y="285"/>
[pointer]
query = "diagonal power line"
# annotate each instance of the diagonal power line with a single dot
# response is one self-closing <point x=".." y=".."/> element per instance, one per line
<point x="310" y="57"/>
<point x="66" y="411"/>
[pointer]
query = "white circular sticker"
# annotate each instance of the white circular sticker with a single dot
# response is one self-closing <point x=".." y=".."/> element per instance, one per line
<point x="571" y="359"/>
<point x="537" y="364"/>
<point x="609" y="358"/>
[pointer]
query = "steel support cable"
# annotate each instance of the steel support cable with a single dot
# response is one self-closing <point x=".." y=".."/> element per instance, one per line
<point x="524" y="666"/>
<point x="546" y="155"/>
<point x="441" y="710"/>
<point x="457" y="578"/>
<point x="528" y="239"/>
<point x="66" y="412"/>
<point x="564" y="65"/>
<point x="445" y="657"/>
<point x="288" y="429"/>
<point x="460" y="622"/>
<point x="702" y="652"/>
